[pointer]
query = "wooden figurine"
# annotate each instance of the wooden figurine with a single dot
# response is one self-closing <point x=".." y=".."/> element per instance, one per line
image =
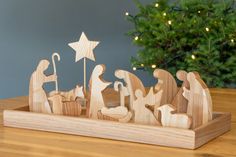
<point x="97" y="85"/>
<point x="167" y="83"/>
<point x="142" y="114"/>
<point x="57" y="104"/>
<point x="170" y="119"/>
<point x="38" y="101"/>
<point x="84" y="49"/>
<point x="70" y="95"/>
<point x="67" y="108"/>
<point x="179" y="100"/>
<point x="132" y="84"/>
<point x="119" y="87"/>
<point x="199" y="100"/>
<point x="119" y="113"/>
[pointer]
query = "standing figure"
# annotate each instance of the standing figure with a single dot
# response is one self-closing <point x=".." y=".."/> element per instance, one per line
<point x="97" y="85"/>
<point x="199" y="100"/>
<point x="167" y="83"/>
<point x="38" y="101"/>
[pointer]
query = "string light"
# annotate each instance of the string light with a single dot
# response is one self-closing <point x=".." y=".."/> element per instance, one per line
<point x="136" y="38"/>
<point x="199" y="12"/>
<point x="142" y="65"/>
<point x="232" y="40"/>
<point x="164" y="14"/>
<point x="154" y="66"/>
<point x="134" y="68"/>
<point x="193" y="57"/>
<point x="156" y="5"/>
<point x="127" y="13"/>
<point x="169" y="22"/>
<point x="207" y="29"/>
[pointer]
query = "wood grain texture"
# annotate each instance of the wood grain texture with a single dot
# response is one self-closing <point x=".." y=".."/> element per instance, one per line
<point x="167" y="83"/>
<point x="163" y="136"/>
<point x="38" y="101"/>
<point x="20" y="142"/>
<point x="84" y="48"/>
<point x="142" y="114"/>
<point x="176" y="120"/>
<point x="132" y="84"/>
<point x="179" y="101"/>
<point x="199" y="100"/>
<point x="97" y="86"/>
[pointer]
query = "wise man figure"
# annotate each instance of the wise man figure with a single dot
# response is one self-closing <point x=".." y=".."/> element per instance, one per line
<point x="38" y="101"/>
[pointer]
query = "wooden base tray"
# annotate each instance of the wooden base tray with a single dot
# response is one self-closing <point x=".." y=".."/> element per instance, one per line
<point x="156" y="135"/>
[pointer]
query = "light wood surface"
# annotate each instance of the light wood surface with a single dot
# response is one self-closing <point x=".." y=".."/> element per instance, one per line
<point x="20" y="142"/>
<point x="97" y="86"/>
<point x="84" y="50"/>
<point x="142" y="114"/>
<point x="170" y="119"/>
<point x="167" y="83"/>
<point x="199" y="100"/>
<point x="38" y="101"/>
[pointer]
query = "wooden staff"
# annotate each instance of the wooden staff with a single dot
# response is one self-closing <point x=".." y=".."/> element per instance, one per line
<point x="54" y="67"/>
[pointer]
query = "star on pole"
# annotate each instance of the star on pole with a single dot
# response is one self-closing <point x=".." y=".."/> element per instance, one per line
<point x="84" y="48"/>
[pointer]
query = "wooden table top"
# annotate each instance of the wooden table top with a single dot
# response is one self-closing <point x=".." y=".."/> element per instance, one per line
<point x="21" y="142"/>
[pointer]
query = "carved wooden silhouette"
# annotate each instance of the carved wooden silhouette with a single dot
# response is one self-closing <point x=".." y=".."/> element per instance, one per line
<point x="170" y="119"/>
<point x="199" y="100"/>
<point x="38" y="101"/>
<point x="119" y="87"/>
<point x="67" y="108"/>
<point x="132" y="84"/>
<point x="70" y="95"/>
<point x="142" y="114"/>
<point x="97" y="85"/>
<point x="167" y="83"/>
<point x="179" y="100"/>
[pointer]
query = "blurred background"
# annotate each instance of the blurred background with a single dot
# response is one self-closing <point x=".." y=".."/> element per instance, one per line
<point x="31" y="30"/>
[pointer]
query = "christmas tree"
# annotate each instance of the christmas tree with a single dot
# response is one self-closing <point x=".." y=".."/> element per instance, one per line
<point x="192" y="35"/>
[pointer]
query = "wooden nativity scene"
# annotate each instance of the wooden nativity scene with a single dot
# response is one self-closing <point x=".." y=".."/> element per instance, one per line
<point x="164" y="114"/>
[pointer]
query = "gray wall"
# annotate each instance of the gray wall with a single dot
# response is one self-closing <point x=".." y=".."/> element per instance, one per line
<point x="31" y="30"/>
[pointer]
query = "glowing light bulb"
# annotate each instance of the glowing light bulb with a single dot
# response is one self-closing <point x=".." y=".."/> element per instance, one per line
<point x="232" y="40"/>
<point x="199" y="12"/>
<point x="164" y="14"/>
<point x="134" y="68"/>
<point x="154" y="66"/>
<point x="136" y="38"/>
<point x="193" y="57"/>
<point x="169" y="22"/>
<point x="156" y="5"/>
<point x="127" y="13"/>
<point x="142" y="65"/>
<point x="207" y="29"/>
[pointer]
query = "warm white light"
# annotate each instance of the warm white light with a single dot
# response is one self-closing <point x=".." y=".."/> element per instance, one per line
<point x="136" y="38"/>
<point x="134" y="68"/>
<point x="199" y="12"/>
<point x="232" y="40"/>
<point x="169" y="22"/>
<point x="154" y="66"/>
<point x="207" y="29"/>
<point x="142" y="65"/>
<point x="156" y="5"/>
<point x="127" y="14"/>
<point x="164" y="14"/>
<point x="193" y="57"/>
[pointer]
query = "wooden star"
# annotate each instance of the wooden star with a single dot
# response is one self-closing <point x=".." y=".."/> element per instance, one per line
<point x="84" y="48"/>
